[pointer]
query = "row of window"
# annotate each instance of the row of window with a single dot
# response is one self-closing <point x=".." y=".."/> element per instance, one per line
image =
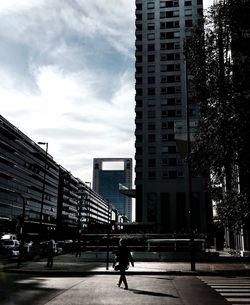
<point x="164" y="162"/>
<point x="171" y="174"/>
<point x="163" y="46"/>
<point x="164" y="25"/>
<point x="167" y="4"/>
<point x="152" y="138"/>
<point x="163" y="68"/>
<point x="164" y="79"/>
<point x="151" y="126"/>
<point x="164" y="113"/>
<point x="163" y="91"/>
<point x="164" y="102"/>
<point x="152" y="150"/>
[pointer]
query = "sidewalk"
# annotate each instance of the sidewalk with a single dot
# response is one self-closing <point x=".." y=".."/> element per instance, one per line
<point x="68" y="264"/>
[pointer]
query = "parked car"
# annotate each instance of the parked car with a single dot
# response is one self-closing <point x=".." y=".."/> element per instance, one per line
<point x="10" y="243"/>
<point x="9" y="248"/>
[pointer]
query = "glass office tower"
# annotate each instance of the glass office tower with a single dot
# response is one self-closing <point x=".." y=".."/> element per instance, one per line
<point x="161" y="101"/>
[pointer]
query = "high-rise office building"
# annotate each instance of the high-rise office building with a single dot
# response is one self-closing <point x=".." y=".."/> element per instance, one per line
<point x="107" y="181"/>
<point x="161" y="99"/>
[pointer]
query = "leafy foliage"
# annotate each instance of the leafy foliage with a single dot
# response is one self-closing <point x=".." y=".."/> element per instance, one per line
<point x="221" y="84"/>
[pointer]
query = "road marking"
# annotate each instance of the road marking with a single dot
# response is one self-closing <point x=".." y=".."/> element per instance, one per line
<point x="234" y="290"/>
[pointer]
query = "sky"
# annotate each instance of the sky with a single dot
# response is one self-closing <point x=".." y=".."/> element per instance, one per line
<point x="67" y="77"/>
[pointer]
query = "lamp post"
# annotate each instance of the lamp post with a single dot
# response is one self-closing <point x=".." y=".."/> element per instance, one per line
<point x="108" y="238"/>
<point x="43" y="189"/>
<point x="190" y="185"/>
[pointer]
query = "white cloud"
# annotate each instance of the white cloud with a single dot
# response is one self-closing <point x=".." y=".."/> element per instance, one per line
<point x="67" y="77"/>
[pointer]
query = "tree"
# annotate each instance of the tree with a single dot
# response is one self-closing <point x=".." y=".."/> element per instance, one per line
<point x="220" y="145"/>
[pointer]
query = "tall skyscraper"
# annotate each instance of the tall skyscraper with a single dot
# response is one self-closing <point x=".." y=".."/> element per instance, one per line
<point x="107" y="181"/>
<point x="161" y="100"/>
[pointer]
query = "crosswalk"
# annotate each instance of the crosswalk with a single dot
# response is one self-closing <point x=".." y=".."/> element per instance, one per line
<point x="235" y="290"/>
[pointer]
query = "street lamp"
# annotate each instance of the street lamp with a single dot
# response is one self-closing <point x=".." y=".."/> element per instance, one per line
<point x="190" y="185"/>
<point x="43" y="189"/>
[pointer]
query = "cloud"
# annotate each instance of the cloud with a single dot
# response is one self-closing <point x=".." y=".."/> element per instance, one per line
<point x="67" y="77"/>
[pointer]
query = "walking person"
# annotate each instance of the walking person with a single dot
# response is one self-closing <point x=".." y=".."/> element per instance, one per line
<point x="51" y="246"/>
<point x="123" y="258"/>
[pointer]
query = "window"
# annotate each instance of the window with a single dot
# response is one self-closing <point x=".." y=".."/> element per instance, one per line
<point x="170" y="125"/>
<point x="151" y="175"/>
<point x="188" y="12"/>
<point x="151" y="16"/>
<point x="151" y="26"/>
<point x="139" y="114"/>
<point x="164" y="137"/>
<point x="151" y="114"/>
<point x="176" y="45"/>
<point x="162" y="3"/>
<point x="164" y="125"/>
<point x="163" y="68"/>
<point x="151" y="162"/>
<point x="163" y="90"/>
<point x="163" y="57"/>
<point x="172" y="174"/>
<point x="172" y="149"/>
<point x="139" y="48"/>
<point x="171" y="137"/>
<point x="139" y="162"/>
<point x="177" y="89"/>
<point x="178" y="113"/>
<point x="151" y="5"/>
<point x="165" y="174"/>
<point x="151" y="80"/>
<point x="188" y="3"/>
<point x="151" y="36"/>
<point x="172" y="161"/>
<point x="164" y="162"/>
<point x="138" y="16"/>
<point x="164" y="149"/>
<point x="151" y="58"/>
<point x="151" y="69"/>
<point x="180" y="174"/>
<point x="151" y="91"/>
<point x="151" y="149"/>
<point x="151" y="47"/>
<point x="171" y="113"/>
<point x="151" y="126"/>
<point x="176" y="34"/>
<point x="188" y="23"/>
<point x="151" y="138"/>
<point x="163" y="79"/>
<point x="177" y="56"/>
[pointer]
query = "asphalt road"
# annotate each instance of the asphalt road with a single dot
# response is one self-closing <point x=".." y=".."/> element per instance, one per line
<point x="20" y="289"/>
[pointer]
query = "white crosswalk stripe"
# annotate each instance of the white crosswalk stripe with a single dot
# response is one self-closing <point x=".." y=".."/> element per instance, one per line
<point x="235" y="290"/>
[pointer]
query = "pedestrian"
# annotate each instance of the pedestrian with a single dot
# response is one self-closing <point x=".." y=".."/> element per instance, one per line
<point x="51" y="247"/>
<point x="78" y="248"/>
<point x="123" y="257"/>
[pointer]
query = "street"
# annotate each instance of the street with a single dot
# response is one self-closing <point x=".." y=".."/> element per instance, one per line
<point x="19" y="289"/>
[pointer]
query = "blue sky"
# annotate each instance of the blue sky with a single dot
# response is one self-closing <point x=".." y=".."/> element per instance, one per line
<point x="67" y="77"/>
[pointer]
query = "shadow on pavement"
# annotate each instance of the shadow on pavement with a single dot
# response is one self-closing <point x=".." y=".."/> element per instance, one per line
<point x="152" y="293"/>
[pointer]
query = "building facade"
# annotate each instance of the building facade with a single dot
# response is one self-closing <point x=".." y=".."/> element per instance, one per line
<point x="162" y="186"/>
<point x="24" y="183"/>
<point x="40" y="196"/>
<point x="106" y="183"/>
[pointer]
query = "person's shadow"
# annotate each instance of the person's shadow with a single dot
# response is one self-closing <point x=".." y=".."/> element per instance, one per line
<point x="156" y="294"/>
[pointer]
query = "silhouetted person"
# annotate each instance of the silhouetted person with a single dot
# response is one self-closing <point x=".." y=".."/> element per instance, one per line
<point x="78" y="248"/>
<point x="51" y="246"/>
<point x="123" y="257"/>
